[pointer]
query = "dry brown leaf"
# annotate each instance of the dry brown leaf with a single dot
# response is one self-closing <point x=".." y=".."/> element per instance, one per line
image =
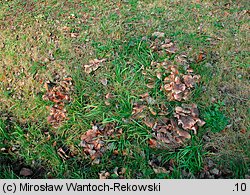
<point x="104" y="175"/>
<point x="74" y="35"/>
<point x="109" y="95"/>
<point x="62" y="154"/>
<point x="93" y="65"/>
<point x="150" y="85"/>
<point x="144" y="95"/>
<point x="104" y="81"/>
<point x="149" y="123"/>
<point x="107" y="103"/>
<point x="123" y="171"/>
<point x="152" y="143"/>
<point x="201" y="57"/>
<point x="26" y="172"/>
<point x="138" y="108"/>
<point x="157" y="169"/>
<point x="158" y="34"/>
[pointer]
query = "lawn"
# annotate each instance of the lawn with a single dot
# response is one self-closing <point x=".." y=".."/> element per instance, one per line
<point x="124" y="89"/>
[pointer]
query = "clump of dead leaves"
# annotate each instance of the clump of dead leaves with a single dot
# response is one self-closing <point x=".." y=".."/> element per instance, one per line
<point x="59" y="94"/>
<point x="94" y="140"/>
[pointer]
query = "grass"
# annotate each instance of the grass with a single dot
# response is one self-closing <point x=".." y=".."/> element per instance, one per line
<point x="36" y="46"/>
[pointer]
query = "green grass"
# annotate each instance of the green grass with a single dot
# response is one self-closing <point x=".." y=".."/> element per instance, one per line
<point x="215" y="119"/>
<point x="120" y="32"/>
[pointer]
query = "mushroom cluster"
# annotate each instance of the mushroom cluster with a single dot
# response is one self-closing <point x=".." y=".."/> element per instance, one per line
<point x="58" y="93"/>
<point x="177" y="86"/>
<point x="161" y="45"/>
<point x="188" y="117"/>
<point x="93" y="140"/>
<point x="167" y="133"/>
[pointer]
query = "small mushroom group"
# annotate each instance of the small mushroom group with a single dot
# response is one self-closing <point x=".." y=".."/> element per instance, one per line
<point x="188" y="117"/>
<point x="166" y="132"/>
<point x="172" y="133"/>
<point x="57" y="115"/>
<point x="93" y="140"/>
<point x="58" y="93"/>
<point x="177" y="86"/>
<point x="160" y="44"/>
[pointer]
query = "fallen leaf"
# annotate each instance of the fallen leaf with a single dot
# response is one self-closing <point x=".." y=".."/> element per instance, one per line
<point x="145" y="95"/>
<point x="123" y="171"/>
<point x="152" y="143"/>
<point x="107" y="103"/>
<point x="158" y="169"/>
<point x="54" y="144"/>
<point x="150" y="85"/>
<point x="158" y="34"/>
<point x="138" y="108"/>
<point x="115" y="152"/>
<point x="109" y="95"/>
<point x="104" y="175"/>
<point x="25" y="172"/>
<point x="93" y="65"/>
<point x="148" y="123"/>
<point x="74" y="35"/>
<point x="62" y="153"/>
<point x="201" y="57"/>
<point x="243" y="131"/>
<point x="104" y="82"/>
